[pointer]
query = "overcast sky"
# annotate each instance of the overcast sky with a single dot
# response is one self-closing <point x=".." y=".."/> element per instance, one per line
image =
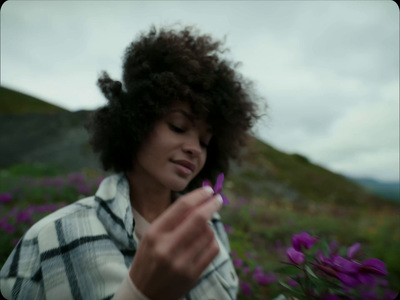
<point x="329" y="70"/>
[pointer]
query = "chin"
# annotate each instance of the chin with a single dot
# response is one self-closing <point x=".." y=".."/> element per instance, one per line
<point x="178" y="185"/>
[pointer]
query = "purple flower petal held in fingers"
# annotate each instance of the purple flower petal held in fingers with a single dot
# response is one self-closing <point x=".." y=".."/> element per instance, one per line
<point x="295" y="256"/>
<point x="207" y="183"/>
<point x="218" y="187"/>
<point x="218" y="184"/>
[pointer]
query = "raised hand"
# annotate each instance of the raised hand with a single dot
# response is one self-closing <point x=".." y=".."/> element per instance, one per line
<point x="177" y="247"/>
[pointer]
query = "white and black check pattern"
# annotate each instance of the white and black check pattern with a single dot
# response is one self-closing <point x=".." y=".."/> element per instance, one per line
<point x="84" y="251"/>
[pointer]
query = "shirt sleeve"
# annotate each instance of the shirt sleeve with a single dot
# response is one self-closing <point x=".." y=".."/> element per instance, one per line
<point x="128" y="290"/>
<point x="22" y="280"/>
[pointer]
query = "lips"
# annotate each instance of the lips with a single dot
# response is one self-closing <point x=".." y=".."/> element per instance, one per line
<point x="185" y="163"/>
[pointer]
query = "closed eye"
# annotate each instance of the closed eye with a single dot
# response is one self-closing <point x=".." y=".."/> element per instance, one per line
<point x="176" y="129"/>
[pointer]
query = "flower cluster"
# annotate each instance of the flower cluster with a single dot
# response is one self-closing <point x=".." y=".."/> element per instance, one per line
<point x="255" y="282"/>
<point x="33" y="198"/>
<point x="329" y="275"/>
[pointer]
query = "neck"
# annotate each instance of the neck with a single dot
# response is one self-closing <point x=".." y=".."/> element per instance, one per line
<point x="147" y="197"/>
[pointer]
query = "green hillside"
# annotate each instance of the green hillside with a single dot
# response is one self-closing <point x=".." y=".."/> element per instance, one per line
<point x="266" y="171"/>
<point x="13" y="102"/>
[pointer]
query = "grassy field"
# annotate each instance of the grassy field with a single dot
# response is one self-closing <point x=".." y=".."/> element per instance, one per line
<point x="260" y="228"/>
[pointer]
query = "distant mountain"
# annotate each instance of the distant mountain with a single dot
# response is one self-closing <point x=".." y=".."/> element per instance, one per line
<point x="58" y="138"/>
<point x="13" y="102"/>
<point x="32" y="130"/>
<point x="387" y="190"/>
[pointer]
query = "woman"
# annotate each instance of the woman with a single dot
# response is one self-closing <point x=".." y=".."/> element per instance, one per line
<point x="150" y="231"/>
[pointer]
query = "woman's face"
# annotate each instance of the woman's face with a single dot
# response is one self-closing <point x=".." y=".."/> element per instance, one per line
<point x="176" y="150"/>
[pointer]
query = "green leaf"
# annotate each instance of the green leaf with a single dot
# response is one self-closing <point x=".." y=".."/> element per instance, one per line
<point x="325" y="247"/>
<point x="311" y="272"/>
<point x="296" y="292"/>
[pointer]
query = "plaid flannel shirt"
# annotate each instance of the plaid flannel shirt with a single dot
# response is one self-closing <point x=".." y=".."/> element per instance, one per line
<point x="84" y="251"/>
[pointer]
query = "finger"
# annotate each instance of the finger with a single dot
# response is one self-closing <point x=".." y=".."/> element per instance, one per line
<point x="197" y="245"/>
<point x="196" y="220"/>
<point x="174" y="215"/>
<point x="200" y="263"/>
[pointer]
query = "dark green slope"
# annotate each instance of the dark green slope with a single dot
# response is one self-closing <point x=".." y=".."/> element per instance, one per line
<point x="13" y="102"/>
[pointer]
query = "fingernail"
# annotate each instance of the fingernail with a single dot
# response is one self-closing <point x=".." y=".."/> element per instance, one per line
<point x="219" y="199"/>
<point x="208" y="189"/>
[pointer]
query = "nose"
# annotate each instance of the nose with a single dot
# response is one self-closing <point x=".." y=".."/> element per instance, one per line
<point x="192" y="146"/>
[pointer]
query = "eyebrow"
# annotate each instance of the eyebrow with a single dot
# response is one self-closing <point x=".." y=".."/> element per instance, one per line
<point x="188" y="116"/>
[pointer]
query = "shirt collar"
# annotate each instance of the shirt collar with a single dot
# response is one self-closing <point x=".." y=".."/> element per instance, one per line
<point x="115" y="211"/>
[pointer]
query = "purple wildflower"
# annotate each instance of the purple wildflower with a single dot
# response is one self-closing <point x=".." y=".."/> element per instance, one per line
<point x="295" y="256"/>
<point x="366" y="279"/>
<point x="246" y="270"/>
<point x="218" y="187"/>
<point x="369" y="295"/>
<point x="238" y="262"/>
<point x="245" y="287"/>
<point x="23" y="216"/>
<point x="46" y="208"/>
<point x="5" y="198"/>
<point x="373" y="266"/>
<point x="327" y="270"/>
<point x="76" y="178"/>
<point x="345" y="266"/>
<point x="292" y="282"/>
<point x="333" y="247"/>
<point x="83" y="189"/>
<point x="351" y="251"/>
<point x="228" y="229"/>
<point x="6" y="226"/>
<point x="382" y="282"/>
<point x="263" y="279"/>
<point x="348" y="280"/>
<point x="302" y="239"/>
<point x="320" y="257"/>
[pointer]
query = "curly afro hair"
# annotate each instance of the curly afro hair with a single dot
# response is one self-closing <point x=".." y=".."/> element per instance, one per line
<point x="162" y="67"/>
